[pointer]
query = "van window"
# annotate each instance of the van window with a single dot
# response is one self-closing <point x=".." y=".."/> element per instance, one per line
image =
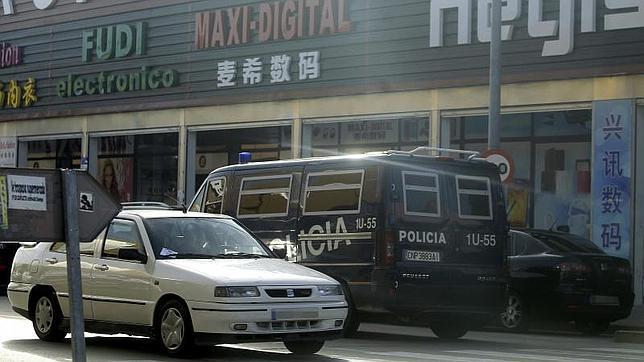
<point x="215" y="196"/>
<point x="337" y="192"/>
<point x="422" y="197"/>
<point x="474" y="197"/>
<point x="198" y="200"/>
<point x="264" y="196"/>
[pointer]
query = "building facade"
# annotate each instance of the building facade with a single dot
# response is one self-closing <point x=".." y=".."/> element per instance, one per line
<point x="151" y="95"/>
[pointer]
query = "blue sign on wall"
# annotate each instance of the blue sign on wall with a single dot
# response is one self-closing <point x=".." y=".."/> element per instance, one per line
<point x="612" y="176"/>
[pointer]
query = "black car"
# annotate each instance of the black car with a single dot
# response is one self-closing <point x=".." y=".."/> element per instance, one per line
<point x="559" y="276"/>
<point x="7" y="251"/>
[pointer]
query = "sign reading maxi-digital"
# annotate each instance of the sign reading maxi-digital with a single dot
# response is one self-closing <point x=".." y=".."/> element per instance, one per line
<point x="114" y="42"/>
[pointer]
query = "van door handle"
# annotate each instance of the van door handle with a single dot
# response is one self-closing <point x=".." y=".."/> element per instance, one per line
<point x="51" y="260"/>
<point x="102" y="267"/>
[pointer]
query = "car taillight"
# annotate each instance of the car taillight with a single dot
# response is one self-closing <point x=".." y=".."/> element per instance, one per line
<point x="388" y="249"/>
<point x="573" y="271"/>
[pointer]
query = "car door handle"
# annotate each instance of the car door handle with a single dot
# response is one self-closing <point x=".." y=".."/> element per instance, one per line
<point x="101" y="267"/>
<point x="51" y="260"/>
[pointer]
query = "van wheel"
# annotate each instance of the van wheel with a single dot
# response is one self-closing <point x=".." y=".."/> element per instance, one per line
<point x="449" y="331"/>
<point x="514" y="317"/>
<point x="174" y="331"/>
<point x="47" y="318"/>
<point x="592" y="328"/>
<point x="304" y="347"/>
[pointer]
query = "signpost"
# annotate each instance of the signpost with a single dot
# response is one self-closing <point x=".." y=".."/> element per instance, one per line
<point x="503" y="161"/>
<point x="56" y="205"/>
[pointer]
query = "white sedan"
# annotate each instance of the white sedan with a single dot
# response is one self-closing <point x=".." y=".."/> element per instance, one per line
<point x="184" y="279"/>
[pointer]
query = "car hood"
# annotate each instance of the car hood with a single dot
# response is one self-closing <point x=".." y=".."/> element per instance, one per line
<point x="238" y="272"/>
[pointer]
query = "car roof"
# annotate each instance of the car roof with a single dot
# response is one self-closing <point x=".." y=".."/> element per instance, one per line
<point x="157" y="214"/>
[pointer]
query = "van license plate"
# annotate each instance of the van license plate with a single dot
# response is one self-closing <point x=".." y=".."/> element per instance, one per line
<point x="418" y="255"/>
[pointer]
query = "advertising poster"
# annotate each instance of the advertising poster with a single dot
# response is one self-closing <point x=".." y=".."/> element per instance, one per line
<point x="4" y="217"/>
<point x="612" y="176"/>
<point x="518" y="200"/>
<point x="27" y="193"/>
<point x="117" y="175"/>
<point x="8" y="151"/>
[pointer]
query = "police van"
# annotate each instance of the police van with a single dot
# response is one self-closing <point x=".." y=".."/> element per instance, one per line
<point x="412" y="237"/>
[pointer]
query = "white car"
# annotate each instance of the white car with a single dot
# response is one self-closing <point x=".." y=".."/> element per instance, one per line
<point x="184" y="279"/>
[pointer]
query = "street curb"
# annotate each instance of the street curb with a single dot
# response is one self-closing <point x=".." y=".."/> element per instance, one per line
<point x="623" y="336"/>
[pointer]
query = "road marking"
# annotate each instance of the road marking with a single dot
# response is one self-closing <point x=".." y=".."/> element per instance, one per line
<point x="590" y="354"/>
<point x="525" y="356"/>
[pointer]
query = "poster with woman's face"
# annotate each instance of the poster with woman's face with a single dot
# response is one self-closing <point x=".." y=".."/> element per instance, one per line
<point x="117" y="176"/>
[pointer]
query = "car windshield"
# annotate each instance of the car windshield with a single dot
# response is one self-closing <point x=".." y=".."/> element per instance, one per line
<point x="200" y="238"/>
<point x="568" y="243"/>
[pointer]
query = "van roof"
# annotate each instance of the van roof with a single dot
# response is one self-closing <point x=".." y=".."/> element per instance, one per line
<point x="387" y="157"/>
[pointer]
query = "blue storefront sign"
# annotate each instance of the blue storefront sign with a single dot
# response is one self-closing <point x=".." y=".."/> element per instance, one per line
<point x="612" y="176"/>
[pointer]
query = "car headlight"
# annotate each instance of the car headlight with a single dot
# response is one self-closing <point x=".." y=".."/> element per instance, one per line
<point x="327" y="290"/>
<point x="236" y="292"/>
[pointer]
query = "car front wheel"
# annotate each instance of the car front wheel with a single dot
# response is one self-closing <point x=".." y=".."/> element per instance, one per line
<point x="514" y="317"/>
<point x="47" y="319"/>
<point x="304" y="347"/>
<point x="174" y="329"/>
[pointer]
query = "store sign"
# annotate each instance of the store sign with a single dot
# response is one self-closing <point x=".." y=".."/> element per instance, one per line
<point x="10" y="55"/>
<point x="373" y="131"/>
<point x="270" y="21"/>
<point x="8" y="5"/>
<point x="16" y="95"/>
<point x="631" y="16"/>
<point x="27" y="193"/>
<point x="8" y="151"/>
<point x="115" y="42"/>
<point x="612" y="176"/>
<point x="252" y="69"/>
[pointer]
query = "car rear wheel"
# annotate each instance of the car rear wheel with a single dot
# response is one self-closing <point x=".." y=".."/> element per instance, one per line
<point x="592" y="328"/>
<point x="304" y="347"/>
<point x="449" y="331"/>
<point x="174" y="329"/>
<point x="47" y="318"/>
<point x="514" y="317"/>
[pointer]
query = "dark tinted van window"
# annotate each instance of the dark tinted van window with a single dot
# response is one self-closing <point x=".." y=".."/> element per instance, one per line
<point x="266" y="196"/>
<point x="474" y="197"/>
<point x="336" y="192"/>
<point x="422" y="197"/>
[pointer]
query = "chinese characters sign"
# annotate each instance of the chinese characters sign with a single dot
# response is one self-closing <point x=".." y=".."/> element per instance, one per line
<point x="15" y="95"/>
<point x="612" y="134"/>
<point x="308" y="64"/>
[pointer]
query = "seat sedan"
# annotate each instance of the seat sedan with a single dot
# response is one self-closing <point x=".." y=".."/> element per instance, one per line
<point x="559" y="276"/>
<point x="183" y="279"/>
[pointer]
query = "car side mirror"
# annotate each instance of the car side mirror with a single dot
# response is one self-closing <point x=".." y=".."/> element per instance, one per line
<point x="280" y="252"/>
<point x="132" y="254"/>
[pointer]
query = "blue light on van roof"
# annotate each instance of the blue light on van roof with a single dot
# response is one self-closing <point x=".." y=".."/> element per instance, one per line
<point x="245" y="157"/>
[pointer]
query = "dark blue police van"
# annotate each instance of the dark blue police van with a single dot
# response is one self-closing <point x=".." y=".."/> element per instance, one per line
<point x="412" y="238"/>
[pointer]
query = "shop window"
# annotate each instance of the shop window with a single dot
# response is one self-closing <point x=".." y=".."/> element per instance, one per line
<point x="264" y="196"/>
<point x="51" y="154"/>
<point x="215" y="196"/>
<point x="422" y="196"/>
<point x="567" y="123"/>
<point x="330" y="193"/>
<point x="474" y="197"/>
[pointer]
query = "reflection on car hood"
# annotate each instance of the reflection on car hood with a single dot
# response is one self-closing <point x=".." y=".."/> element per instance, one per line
<point x="250" y="271"/>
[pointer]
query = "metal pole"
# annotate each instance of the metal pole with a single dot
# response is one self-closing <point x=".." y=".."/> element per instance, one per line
<point x="494" y="118"/>
<point x="70" y="209"/>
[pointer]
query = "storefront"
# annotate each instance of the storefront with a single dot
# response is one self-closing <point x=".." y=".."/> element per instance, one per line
<point x="150" y="96"/>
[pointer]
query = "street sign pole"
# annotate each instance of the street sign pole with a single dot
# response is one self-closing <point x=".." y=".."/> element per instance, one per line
<point x="70" y="207"/>
<point x="494" y="117"/>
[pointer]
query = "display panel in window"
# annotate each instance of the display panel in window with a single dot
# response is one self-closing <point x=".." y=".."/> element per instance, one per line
<point x="264" y="196"/>
<point x="422" y="197"/>
<point x="215" y="196"/>
<point x="474" y="197"/>
<point x="333" y="192"/>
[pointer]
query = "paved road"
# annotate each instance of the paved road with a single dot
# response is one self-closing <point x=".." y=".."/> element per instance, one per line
<point x="19" y="343"/>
